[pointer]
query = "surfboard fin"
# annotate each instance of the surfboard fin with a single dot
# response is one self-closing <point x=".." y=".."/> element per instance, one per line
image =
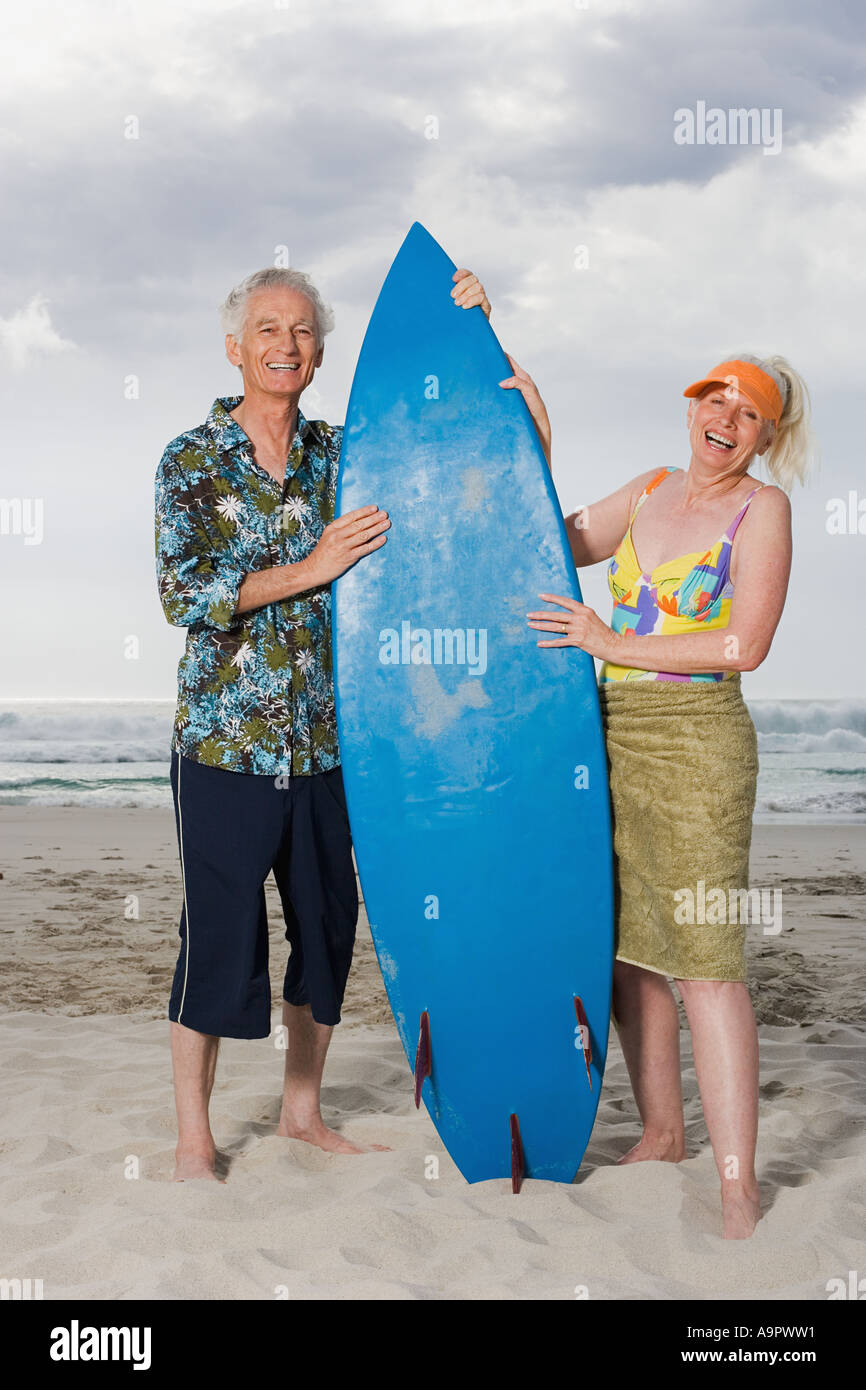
<point x="423" y="1060"/>
<point x="583" y="1039"/>
<point x="516" y="1155"/>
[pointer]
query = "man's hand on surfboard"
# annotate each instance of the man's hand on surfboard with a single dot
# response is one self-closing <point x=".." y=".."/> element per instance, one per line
<point x="523" y="382"/>
<point x="344" y="541"/>
<point x="578" y="626"/>
<point x="469" y="291"/>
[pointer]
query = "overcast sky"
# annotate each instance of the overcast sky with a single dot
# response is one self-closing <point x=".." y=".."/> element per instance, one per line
<point x="306" y="124"/>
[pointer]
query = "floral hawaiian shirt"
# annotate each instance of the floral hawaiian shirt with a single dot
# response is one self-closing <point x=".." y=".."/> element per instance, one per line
<point x="255" y="691"/>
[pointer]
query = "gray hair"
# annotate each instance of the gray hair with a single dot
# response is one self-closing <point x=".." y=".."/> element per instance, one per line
<point x="233" y="312"/>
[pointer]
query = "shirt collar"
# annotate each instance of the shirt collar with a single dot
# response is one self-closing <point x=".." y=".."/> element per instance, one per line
<point x="227" y="433"/>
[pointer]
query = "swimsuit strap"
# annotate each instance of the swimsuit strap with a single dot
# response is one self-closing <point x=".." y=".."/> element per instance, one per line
<point x="653" y="483"/>
<point x="741" y="513"/>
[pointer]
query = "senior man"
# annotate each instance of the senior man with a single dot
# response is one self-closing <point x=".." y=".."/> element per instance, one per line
<point x="247" y="547"/>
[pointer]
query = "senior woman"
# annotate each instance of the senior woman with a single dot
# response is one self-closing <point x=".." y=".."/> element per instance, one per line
<point x="699" y="563"/>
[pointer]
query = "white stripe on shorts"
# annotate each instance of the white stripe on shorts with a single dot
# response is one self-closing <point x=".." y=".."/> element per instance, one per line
<point x="183" y="877"/>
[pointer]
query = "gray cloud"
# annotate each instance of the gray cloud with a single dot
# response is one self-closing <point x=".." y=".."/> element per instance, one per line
<point x="305" y="126"/>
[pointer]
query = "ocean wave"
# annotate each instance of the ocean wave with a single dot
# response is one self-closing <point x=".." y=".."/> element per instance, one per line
<point x="811" y="717"/>
<point x="92" y="752"/>
<point x="833" y="741"/>
<point x="117" y="754"/>
<point x="47" y="732"/>
<point x="23" y="782"/>
<point x="820" y="805"/>
<point x="117" y="796"/>
<point x="131" y="727"/>
<point x="95" y="784"/>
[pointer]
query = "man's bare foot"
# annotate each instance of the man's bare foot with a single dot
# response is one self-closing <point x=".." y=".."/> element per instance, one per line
<point x="658" y="1147"/>
<point x="193" y="1164"/>
<point x="741" y="1212"/>
<point x="317" y="1132"/>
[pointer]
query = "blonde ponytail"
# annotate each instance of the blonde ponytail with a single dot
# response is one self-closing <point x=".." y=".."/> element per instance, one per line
<point x="794" y="450"/>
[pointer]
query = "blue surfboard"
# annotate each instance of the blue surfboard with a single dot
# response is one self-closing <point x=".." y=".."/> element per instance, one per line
<point x="473" y="761"/>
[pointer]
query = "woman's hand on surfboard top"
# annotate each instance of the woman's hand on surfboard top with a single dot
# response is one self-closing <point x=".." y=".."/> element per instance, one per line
<point x="344" y="541"/>
<point x="523" y="382"/>
<point x="469" y="291"/>
<point x="577" y="626"/>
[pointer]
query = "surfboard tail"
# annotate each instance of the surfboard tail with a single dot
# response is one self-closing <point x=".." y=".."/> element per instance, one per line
<point x="423" y="1057"/>
<point x="517" y="1164"/>
<point x="582" y="1037"/>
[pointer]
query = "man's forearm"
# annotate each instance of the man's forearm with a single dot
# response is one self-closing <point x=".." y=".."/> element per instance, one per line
<point x="271" y="585"/>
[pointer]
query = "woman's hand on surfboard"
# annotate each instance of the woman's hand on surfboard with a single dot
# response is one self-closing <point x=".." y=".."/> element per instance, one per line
<point x="523" y="382"/>
<point x="469" y="291"/>
<point x="576" y="626"/>
<point x="344" y="541"/>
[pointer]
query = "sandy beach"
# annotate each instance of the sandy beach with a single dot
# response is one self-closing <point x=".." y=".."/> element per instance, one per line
<point x="88" y="1131"/>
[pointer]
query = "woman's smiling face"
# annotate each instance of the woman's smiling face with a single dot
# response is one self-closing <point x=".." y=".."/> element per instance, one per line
<point x="726" y="428"/>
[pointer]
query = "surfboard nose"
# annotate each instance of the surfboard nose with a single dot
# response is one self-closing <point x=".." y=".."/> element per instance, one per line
<point x="419" y="244"/>
<point x="418" y="232"/>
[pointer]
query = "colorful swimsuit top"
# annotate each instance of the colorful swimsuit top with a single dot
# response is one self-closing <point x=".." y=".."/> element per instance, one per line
<point x="674" y="597"/>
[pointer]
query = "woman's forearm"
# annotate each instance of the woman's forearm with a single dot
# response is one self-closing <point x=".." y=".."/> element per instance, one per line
<point x="542" y="429"/>
<point x="522" y="382"/>
<point x="690" y="653"/>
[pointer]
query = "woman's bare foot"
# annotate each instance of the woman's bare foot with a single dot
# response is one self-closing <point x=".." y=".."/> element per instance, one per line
<point x="192" y="1164"/>
<point x="317" y="1132"/>
<point x="741" y="1211"/>
<point x="656" y="1146"/>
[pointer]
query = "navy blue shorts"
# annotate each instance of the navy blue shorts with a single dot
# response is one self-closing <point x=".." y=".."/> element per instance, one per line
<point x="233" y="828"/>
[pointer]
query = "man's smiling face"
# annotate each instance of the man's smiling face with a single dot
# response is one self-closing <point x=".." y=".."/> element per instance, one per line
<point x="278" y="351"/>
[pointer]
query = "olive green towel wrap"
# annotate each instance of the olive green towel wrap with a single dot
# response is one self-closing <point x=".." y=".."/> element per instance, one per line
<point x="683" y="765"/>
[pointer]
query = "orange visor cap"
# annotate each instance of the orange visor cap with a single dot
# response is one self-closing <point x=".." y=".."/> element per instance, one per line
<point x="750" y="381"/>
